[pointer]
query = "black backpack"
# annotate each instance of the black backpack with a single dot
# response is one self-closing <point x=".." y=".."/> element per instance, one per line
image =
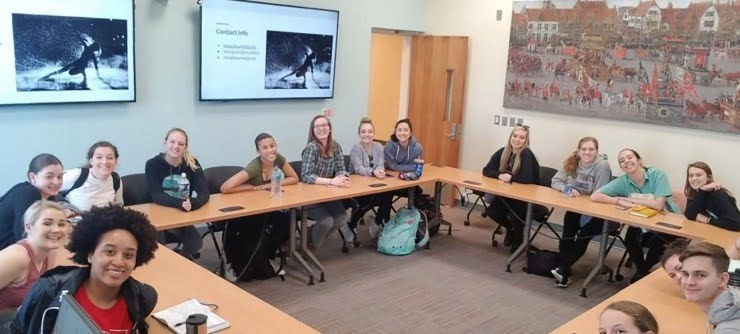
<point x="84" y="173"/>
<point x="250" y="242"/>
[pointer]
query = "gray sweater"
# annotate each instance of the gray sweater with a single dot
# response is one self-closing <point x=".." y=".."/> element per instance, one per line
<point x="588" y="179"/>
<point x="360" y="161"/>
<point x="724" y="314"/>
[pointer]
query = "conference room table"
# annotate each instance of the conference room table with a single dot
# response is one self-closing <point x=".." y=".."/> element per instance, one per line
<point x="177" y="279"/>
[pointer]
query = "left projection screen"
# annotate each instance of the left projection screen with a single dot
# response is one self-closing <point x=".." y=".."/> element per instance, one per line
<point x="67" y="51"/>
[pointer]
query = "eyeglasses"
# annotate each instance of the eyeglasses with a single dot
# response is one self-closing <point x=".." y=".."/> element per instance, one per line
<point x="370" y="157"/>
<point x="319" y="126"/>
<point x="522" y="125"/>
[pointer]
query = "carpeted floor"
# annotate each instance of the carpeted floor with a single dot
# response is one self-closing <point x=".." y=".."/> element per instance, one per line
<point x="458" y="286"/>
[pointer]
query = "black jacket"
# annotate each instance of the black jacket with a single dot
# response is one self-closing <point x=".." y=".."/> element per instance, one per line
<point x="12" y="206"/>
<point x="157" y="169"/>
<point x="718" y="206"/>
<point x="529" y="168"/>
<point x="43" y="301"/>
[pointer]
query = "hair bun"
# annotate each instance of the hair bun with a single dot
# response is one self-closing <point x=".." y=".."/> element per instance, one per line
<point x="366" y="119"/>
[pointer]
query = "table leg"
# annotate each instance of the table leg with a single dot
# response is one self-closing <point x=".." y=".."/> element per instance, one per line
<point x="437" y="206"/>
<point x="525" y="244"/>
<point x="304" y="246"/>
<point x="600" y="261"/>
<point x="294" y="254"/>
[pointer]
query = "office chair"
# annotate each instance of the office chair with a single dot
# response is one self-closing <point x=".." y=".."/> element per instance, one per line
<point x="348" y="203"/>
<point x="215" y="177"/>
<point x="136" y="191"/>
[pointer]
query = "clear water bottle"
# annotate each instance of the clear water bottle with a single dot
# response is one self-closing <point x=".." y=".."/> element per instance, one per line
<point x="184" y="187"/>
<point x="568" y="189"/>
<point x="419" y="169"/>
<point x="276" y="183"/>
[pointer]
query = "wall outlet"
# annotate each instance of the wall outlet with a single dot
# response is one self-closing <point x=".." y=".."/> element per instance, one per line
<point x="496" y="120"/>
<point x="498" y="14"/>
<point x="512" y="121"/>
<point x="504" y="121"/>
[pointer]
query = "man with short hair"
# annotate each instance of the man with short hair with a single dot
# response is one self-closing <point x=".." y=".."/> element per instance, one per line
<point x="704" y="282"/>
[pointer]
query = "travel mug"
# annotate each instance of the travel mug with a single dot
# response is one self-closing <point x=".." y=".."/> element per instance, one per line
<point x="196" y="324"/>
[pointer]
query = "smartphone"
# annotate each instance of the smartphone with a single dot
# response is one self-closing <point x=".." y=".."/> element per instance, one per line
<point x="472" y="182"/>
<point x="622" y="207"/>
<point x="668" y="225"/>
<point x="231" y="208"/>
<point x="377" y="185"/>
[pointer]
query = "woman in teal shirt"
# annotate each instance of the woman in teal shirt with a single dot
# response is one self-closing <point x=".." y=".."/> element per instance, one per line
<point x="258" y="172"/>
<point x="640" y="186"/>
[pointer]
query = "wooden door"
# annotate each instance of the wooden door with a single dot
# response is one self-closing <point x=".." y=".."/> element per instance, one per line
<point x="437" y="96"/>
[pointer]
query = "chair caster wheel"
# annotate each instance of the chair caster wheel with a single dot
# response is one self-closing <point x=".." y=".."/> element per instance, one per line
<point x="356" y="244"/>
<point x="467" y="223"/>
<point x="494" y="243"/>
<point x="345" y="249"/>
<point x="619" y="277"/>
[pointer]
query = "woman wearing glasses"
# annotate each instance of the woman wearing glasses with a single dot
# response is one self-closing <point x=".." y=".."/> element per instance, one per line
<point x="366" y="158"/>
<point x="513" y="163"/>
<point x="323" y="163"/>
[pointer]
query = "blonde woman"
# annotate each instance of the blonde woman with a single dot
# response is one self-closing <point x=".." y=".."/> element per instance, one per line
<point x="164" y="173"/>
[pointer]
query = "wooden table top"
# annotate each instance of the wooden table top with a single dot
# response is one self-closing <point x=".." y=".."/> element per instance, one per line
<point x="177" y="279"/>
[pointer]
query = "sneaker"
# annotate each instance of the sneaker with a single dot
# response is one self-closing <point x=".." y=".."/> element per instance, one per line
<point x="557" y="274"/>
<point x="561" y="279"/>
<point x="374" y="230"/>
<point x="229" y="275"/>
<point x="563" y="283"/>
<point x="275" y="263"/>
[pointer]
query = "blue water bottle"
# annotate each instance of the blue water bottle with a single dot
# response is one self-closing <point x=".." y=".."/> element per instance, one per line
<point x="568" y="189"/>
<point x="419" y="169"/>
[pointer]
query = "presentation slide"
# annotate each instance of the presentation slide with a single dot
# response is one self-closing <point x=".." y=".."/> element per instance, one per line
<point x="254" y="50"/>
<point x="55" y="51"/>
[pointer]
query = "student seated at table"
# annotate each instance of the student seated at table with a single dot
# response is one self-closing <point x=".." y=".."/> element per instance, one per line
<point x="109" y="243"/>
<point x="323" y="163"/>
<point x="514" y="162"/>
<point x="44" y="182"/>
<point x="707" y="201"/>
<point x="704" y="269"/>
<point x="367" y="159"/>
<point x="626" y="317"/>
<point x="257" y="174"/>
<point x="584" y="171"/>
<point x="670" y="260"/>
<point x="402" y="154"/>
<point x="735" y="250"/>
<point x="164" y="173"/>
<point x="97" y="184"/>
<point x="46" y="229"/>
<point x="640" y="186"/>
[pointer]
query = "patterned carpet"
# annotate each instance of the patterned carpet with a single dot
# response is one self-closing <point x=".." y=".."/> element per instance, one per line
<point x="458" y="286"/>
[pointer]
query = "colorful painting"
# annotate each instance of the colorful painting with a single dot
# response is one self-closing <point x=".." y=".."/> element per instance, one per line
<point x="666" y="62"/>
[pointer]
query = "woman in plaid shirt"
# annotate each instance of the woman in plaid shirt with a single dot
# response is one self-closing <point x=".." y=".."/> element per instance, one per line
<point x="323" y="163"/>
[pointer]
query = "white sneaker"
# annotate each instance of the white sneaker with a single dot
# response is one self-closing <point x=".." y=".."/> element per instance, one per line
<point x="374" y="230"/>
<point x="229" y="275"/>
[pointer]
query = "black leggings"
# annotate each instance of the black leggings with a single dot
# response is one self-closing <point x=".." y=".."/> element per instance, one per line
<point x="366" y="203"/>
<point x="656" y="242"/>
<point x="575" y="239"/>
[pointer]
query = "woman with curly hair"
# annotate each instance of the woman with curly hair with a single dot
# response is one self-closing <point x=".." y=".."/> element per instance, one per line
<point x="109" y="243"/>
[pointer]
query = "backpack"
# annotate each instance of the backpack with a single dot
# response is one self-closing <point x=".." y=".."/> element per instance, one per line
<point x="399" y="236"/>
<point x="541" y="262"/>
<point x="84" y="173"/>
<point x="250" y="242"/>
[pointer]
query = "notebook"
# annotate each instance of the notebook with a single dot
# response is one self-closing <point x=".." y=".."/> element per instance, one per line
<point x="174" y="317"/>
<point x="643" y="211"/>
<point x="72" y="319"/>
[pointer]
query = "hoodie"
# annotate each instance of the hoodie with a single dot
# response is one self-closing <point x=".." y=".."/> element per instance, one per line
<point x="587" y="179"/>
<point x="42" y="302"/>
<point x="401" y="159"/>
<point x="163" y="180"/>
<point x="724" y="314"/>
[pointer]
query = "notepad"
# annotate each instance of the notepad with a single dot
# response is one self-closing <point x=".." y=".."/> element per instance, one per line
<point x="643" y="211"/>
<point x="174" y="317"/>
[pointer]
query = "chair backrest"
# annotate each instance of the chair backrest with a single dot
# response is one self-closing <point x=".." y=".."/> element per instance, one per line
<point x="135" y="189"/>
<point x="347" y="162"/>
<point x="546" y="174"/>
<point x="216" y="176"/>
<point x="297" y="166"/>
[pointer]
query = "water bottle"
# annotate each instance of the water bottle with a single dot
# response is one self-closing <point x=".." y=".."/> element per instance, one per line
<point x="419" y="169"/>
<point x="568" y="189"/>
<point x="276" y="183"/>
<point x="183" y="187"/>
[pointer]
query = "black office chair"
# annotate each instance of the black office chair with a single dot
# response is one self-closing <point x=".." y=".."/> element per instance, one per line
<point x="540" y="214"/>
<point x="136" y="191"/>
<point x="479" y="198"/>
<point x="215" y="177"/>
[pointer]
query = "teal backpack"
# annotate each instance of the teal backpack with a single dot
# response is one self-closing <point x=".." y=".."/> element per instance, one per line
<point x="400" y="233"/>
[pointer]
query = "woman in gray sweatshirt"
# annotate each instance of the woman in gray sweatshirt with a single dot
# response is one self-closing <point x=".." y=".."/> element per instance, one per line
<point x="584" y="171"/>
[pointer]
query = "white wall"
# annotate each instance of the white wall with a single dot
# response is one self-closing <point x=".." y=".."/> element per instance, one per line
<point x="167" y="62"/>
<point x="554" y="136"/>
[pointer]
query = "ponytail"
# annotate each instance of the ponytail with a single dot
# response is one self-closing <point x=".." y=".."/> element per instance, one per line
<point x="189" y="160"/>
<point x="570" y="165"/>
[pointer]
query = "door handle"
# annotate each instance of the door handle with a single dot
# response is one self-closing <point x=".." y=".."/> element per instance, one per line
<point x="453" y="132"/>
